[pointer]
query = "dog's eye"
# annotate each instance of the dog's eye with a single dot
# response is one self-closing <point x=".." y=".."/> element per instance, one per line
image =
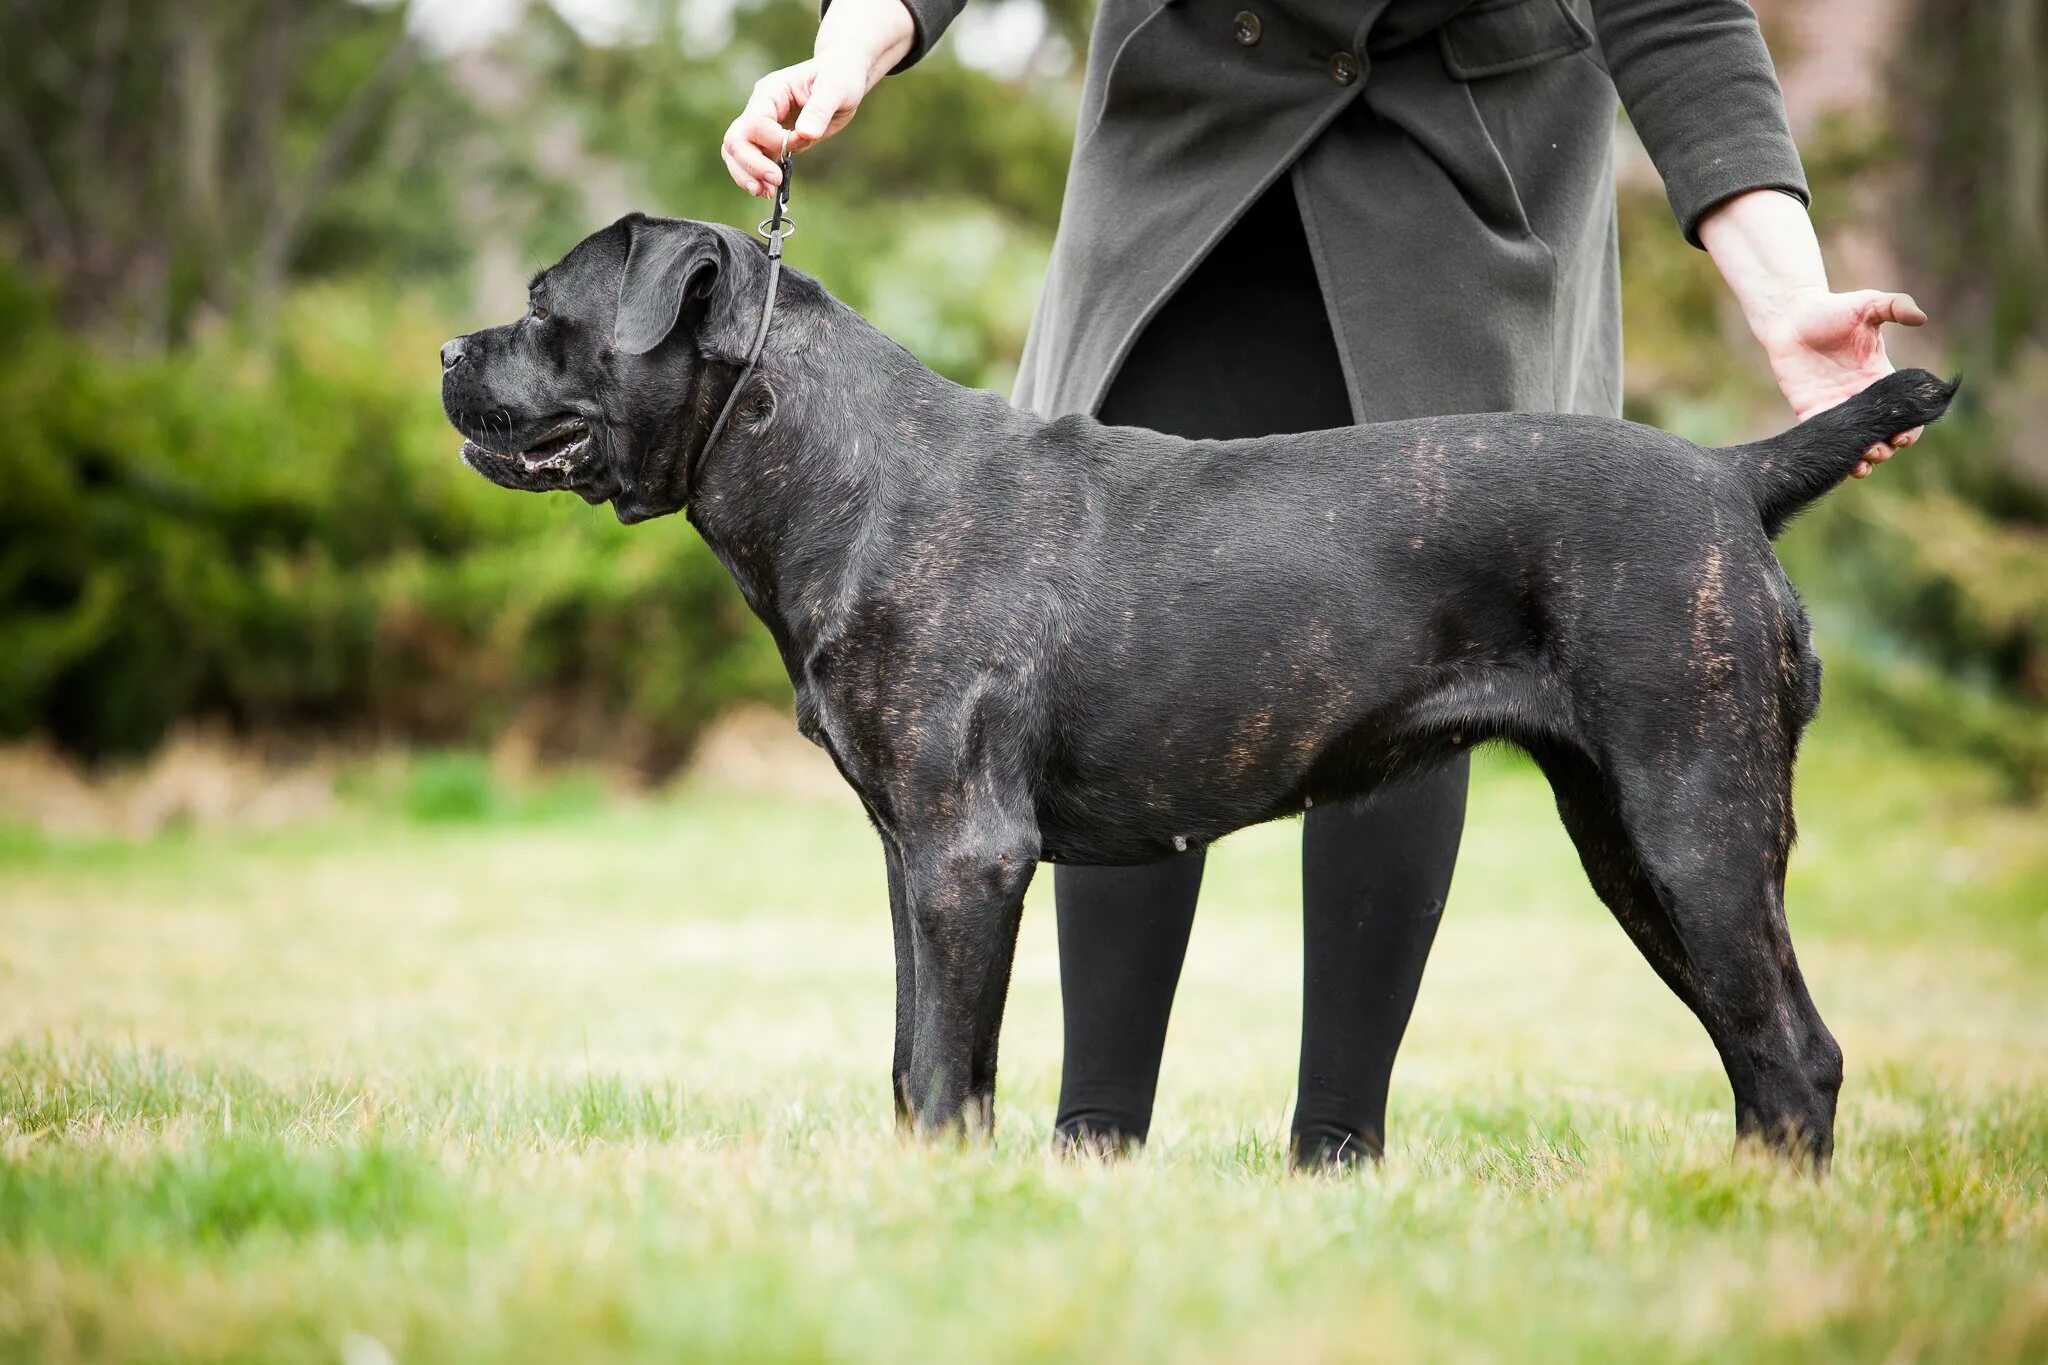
<point x="539" y="314"/>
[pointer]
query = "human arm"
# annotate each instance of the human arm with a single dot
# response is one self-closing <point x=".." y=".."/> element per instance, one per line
<point x="1700" y="89"/>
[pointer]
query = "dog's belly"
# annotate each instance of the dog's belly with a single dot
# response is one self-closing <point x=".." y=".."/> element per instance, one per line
<point x="1158" y="798"/>
<point x="1142" y="777"/>
<point x="1165" y="798"/>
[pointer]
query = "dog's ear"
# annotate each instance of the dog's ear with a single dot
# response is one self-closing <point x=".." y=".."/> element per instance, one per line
<point x="669" y="262"/>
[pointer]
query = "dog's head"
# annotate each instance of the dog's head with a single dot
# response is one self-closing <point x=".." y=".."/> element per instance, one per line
<point x="596" y="389"/>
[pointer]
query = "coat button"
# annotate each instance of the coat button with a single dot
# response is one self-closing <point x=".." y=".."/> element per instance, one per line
<point x="1343" y="68"/>
<point x="1245" y="28"/>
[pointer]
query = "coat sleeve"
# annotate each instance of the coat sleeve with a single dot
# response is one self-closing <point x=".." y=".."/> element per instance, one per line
<point x="930" y="18"/>
<point x="1699" y="87"/>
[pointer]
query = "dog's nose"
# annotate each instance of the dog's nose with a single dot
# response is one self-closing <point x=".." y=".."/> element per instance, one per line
<point x="451" y="354"/>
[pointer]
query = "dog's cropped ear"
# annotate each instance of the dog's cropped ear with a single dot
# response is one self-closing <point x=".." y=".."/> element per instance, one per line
<point x="669" y="262"/>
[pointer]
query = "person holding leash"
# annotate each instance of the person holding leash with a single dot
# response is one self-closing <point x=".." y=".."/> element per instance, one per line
<point x="1290" y="215"/>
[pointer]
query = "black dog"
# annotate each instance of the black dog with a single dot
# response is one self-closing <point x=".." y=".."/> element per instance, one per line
<point x="1024" y="640"/>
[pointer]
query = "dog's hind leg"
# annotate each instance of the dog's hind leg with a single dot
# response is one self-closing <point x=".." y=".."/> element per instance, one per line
<point x="1694" y="870"/>
<point x="1587" y="807"/>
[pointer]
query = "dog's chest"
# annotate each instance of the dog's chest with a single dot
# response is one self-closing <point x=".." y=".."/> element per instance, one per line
<point x="909" y="715"/>
<point x="876" y="742"/>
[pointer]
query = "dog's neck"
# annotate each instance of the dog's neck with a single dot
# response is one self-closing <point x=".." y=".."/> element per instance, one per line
<point x="790" y="497"/>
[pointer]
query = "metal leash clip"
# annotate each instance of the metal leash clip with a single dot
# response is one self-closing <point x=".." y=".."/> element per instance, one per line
<point x="775" y="228"/>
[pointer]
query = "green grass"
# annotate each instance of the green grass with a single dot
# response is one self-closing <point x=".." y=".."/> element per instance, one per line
<point x="552" y="1080"/>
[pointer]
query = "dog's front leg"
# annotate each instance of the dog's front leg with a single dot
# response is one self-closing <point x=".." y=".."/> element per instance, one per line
<point x="906" y="984"/>
<point x="966" y="895"/>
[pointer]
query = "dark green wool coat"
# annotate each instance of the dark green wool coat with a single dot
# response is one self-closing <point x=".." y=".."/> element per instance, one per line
<point x="1452" y="159"/>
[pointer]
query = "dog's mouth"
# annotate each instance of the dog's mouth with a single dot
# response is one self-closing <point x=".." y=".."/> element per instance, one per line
<point x="558" y="458"/>
<point x="560" y="444"/>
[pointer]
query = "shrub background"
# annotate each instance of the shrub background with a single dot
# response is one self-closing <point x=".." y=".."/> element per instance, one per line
<point x="285" y="540"/>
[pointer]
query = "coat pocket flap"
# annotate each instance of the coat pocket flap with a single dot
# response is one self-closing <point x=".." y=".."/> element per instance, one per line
<point x="1494" y="37"/>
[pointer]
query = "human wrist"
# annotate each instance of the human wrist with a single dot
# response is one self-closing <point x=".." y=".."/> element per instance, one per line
<point x="1774" y="309"/>
<point x="870" y="36"/>
<point x="1764" y="245"/>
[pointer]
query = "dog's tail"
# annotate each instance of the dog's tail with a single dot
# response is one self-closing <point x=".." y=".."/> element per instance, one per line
<point x="1796" y="466"/>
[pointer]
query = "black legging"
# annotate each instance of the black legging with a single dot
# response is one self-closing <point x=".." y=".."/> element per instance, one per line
<point x="1244" y="348"/>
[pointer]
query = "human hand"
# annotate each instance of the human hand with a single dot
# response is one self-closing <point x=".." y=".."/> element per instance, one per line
<point x="859" y="42"/>
<point x="1825" y="348"/>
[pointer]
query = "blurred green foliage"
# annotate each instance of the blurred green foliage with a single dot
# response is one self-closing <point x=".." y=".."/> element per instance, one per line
<point x="286" y="538"/>
<point x="450" y="788"/>
<point x="1959" y="552"/>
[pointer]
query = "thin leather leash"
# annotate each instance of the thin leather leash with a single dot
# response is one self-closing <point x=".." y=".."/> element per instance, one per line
<point x="775" y="227"/>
